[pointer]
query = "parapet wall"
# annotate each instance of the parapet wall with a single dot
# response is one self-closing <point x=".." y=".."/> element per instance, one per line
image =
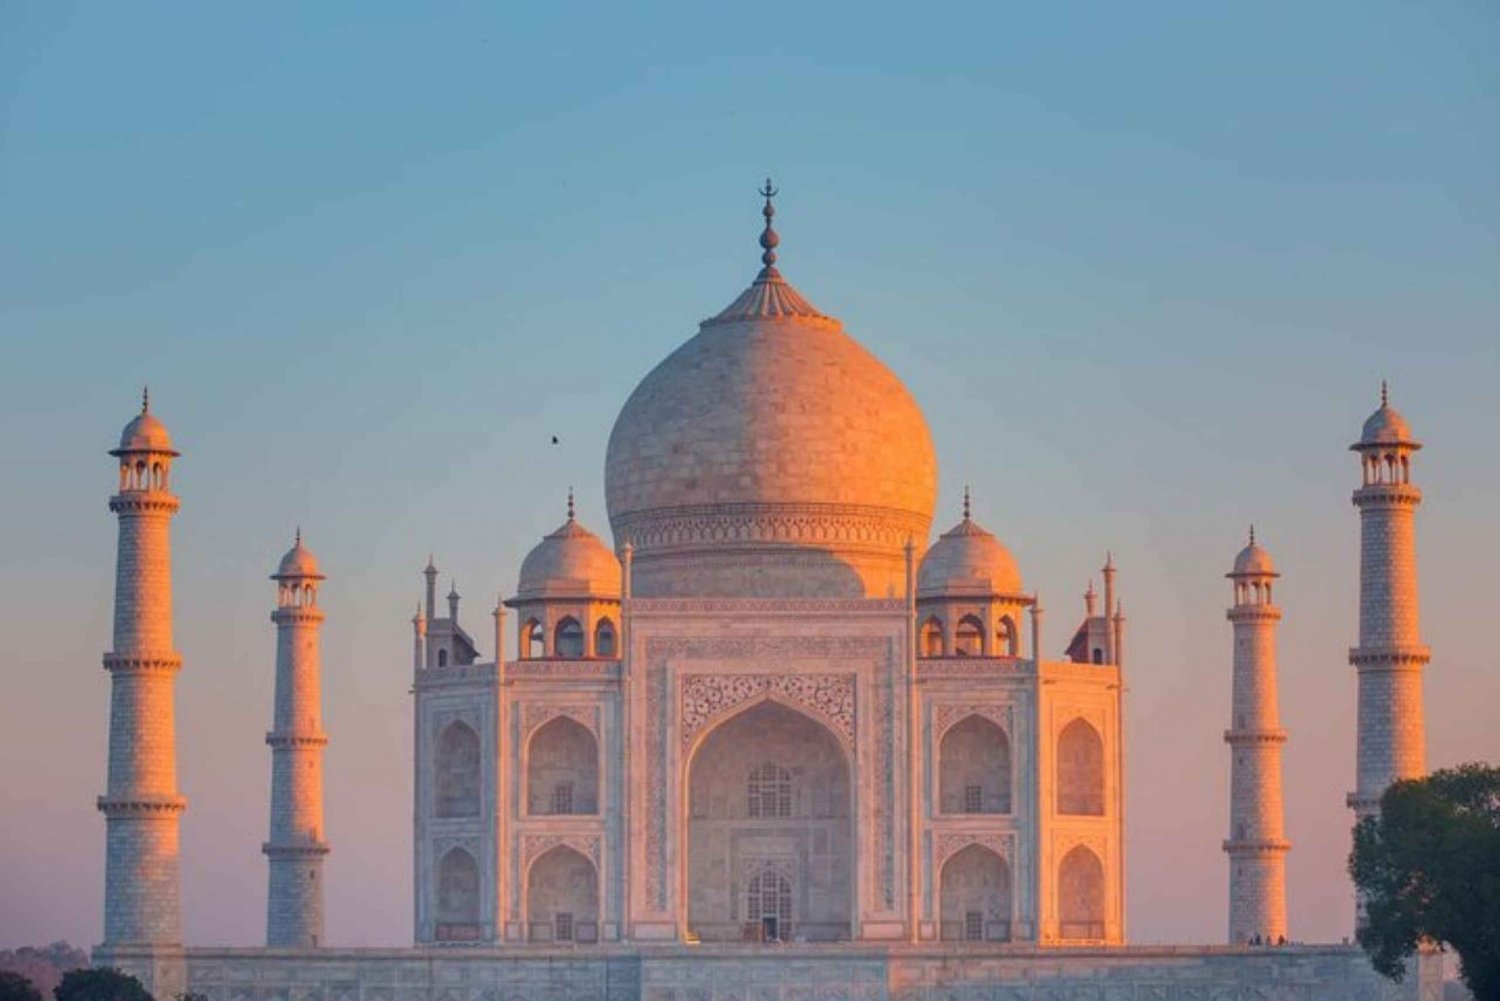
<point x="791" y="973"/>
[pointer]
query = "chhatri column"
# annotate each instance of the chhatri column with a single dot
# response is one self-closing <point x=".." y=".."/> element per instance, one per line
<point x="296" y="848"/>
<point x="142" y="885"/>
<point x="1390" y="656"/>
<point x="1256" y="845"/>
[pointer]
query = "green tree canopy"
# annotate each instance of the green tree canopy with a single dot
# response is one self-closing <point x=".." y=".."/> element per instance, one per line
<point x="14" y="987"/>
<point x="1428" y="869"/>
<point x="102" y="984"/>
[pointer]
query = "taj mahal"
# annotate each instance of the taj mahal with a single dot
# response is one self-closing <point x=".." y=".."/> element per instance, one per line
<point x="769" y="738"/>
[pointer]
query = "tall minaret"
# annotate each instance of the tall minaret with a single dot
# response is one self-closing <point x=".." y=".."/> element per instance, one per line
<point x="1390" y="655"/>
<point x="1256" y="845"/>
<point x="294" y="903"/>
<point x="142" y="887"/>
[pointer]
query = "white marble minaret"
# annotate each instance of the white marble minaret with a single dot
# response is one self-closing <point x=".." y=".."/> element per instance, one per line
<point x="294" y="903"/>
<point x="1256" y="845"/>
<point x="1390" y="656"/>
<point x="142" y="903"/>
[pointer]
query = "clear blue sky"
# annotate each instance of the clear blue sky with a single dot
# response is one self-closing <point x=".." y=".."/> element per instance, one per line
<point x="1143" y="266"/>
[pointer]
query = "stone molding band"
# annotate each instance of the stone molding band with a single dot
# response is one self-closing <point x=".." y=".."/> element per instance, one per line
<point x="551" y="667"/>
<point x="1254" y="613"/>
<point x="1393" y="494"/>
<point x="281" y="741"/>
<point x="1257" y="846"/>
<point x="143" y="663"/>
<point x="305" y="850"/>
<point x="1243" y="737"/>
<point x="1390" y="658"/>
<point x="306" y="615"/>
<point x="144" y="503"/>
<point x="141" y="806"/>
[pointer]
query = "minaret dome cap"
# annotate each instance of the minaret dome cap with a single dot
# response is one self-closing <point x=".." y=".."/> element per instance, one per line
<point x="1254" y="561"/>
<point x="1385" y="426"/>
<point x="145" y="433"/>
<point x="298" y="564"/>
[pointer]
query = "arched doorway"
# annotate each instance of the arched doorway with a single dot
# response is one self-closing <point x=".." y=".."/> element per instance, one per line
<point x="456" y="783"/>
<point x="975" y="897"/>
<point x="1080" y="770"/>
<point x="974" y="768"/>
<point x="1080" y="895"/>
<point x="562" y="769"/>
<point x="770" y="818"/>
<point x="456" y="910"/>
<point x="562" y="897"/>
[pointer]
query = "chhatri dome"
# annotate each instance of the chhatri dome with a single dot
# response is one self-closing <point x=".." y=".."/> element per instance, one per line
<point x="967" y="559"/>
<point x="770" y="455"/>
<point x="569" y="561"/>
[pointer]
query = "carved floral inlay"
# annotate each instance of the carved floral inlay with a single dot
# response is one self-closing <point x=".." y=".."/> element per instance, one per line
<point x="889" y="746"/>
<point x="655" y="820"/>
<point x="950" y="844"/>
<point x="749" y="524"/>
<point x="779" y="648"/>
<point x="533" y="846"/>
<point x="443" y="845"/>
<point x="946" y="714"/>
<point x="706" y="697"/>
<point x="1065" y="841"/>
<point x="537" y="714"/>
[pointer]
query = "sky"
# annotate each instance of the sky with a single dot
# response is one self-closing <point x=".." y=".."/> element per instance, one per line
<point x="1143" y="266"/>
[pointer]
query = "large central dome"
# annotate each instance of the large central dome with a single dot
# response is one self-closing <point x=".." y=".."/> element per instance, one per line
<point x="770" y="455"/>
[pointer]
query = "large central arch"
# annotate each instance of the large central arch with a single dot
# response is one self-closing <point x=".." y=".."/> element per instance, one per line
<point x="770" y="804"/>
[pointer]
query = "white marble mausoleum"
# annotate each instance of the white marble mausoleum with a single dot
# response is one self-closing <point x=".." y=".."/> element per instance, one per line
<point x="771" y="739"/>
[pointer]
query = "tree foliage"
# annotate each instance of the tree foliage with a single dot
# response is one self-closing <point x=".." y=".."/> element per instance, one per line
<point x="44" y="965"/>
<point x="1428" y="869"/>
<point x="102" y="984"/>
<point x="14" y="987"/>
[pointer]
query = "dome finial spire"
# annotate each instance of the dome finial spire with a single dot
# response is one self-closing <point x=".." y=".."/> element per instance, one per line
<point x="1385" y="394"/>
<point x="145" y="399"/>
<point x="297" y="543"/>
<point x="1252" y="533"/>
<point x="571" y="510"/>
<point x="967" y="508"/>
<point x="768" y="238"/>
